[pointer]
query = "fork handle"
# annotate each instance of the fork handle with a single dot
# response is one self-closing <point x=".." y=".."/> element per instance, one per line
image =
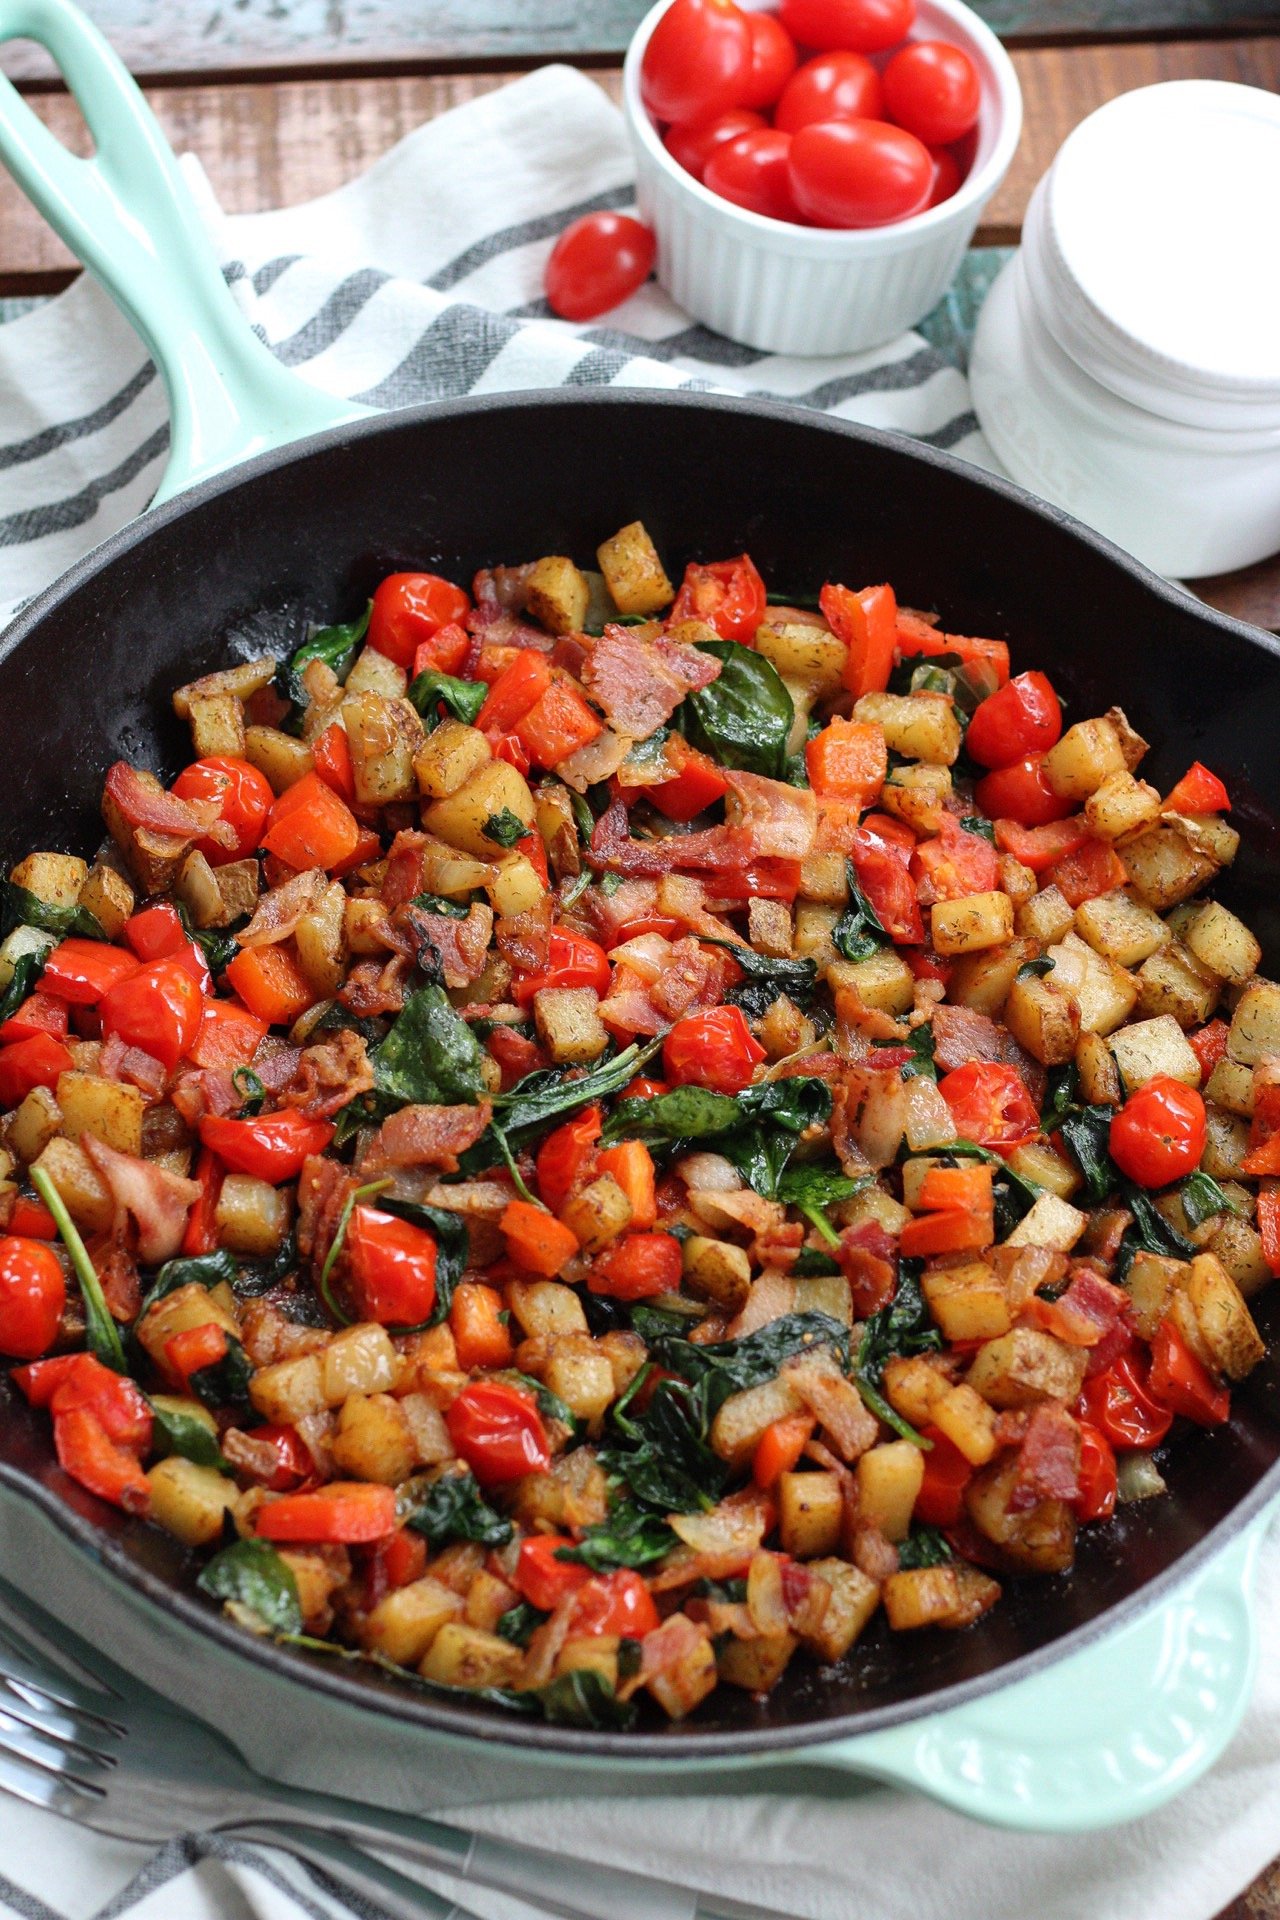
<point x="400" y="1897"/>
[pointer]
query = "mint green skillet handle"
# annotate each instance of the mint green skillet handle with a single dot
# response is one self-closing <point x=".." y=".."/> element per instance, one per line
<point x="1102" y="1737"/>
<point x="127" y="214"/>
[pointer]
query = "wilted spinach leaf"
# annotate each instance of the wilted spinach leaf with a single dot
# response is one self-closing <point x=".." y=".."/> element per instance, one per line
<point x="924" y="1547"/>
<point x="433" y="689"/>
<point x="1087" y="1133"/>
<point x="202" y="1270"/>
<point x="978" y="823"/>
<point x="815" y="1186"/>
<point x="919" y="1044"/>
<point x="632" y="1536"/>
<point x="226" y="1382"/>
<point x="504" y="828"/>
<point x="27" y="969"/>
<point x="19" y="908"/>
<point x="903" y="1327"/>
<point x="430" y="1056"/>
<point x="433" y="903"/>
<point x="183" y="1434"/>
<point x="1060" y="1097"/>
<point x="453" y="1508"/>
<point x="1202" y="1197"/>
<point x="519" y="1623"/>
<point x="337" y="646"/>
<point x="744" y="718"/>
<point x="858" y="933"/>
<point x="252" y="1574"/>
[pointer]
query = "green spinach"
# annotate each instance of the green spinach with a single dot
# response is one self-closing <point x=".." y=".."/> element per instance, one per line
<point x="1202" y="1197"/>
<point x="905" y="1326"/>
<point x="19" y="908"/>
<point x="453" y="1508"/>
<point x="924" y="1547"/>
<point x="430" y="1056"/>
<point x="815" y="1186"/>
<point x="183" y="1434"/>
<point x="859" y="932"/>
<point x="462" y="698"/>
<point x="504" y="828"/>
<point x="631" y="1536"/>
<point x="252" y="1575"/>
<point x="744" y="718"/>
<point x="336" y="646"/>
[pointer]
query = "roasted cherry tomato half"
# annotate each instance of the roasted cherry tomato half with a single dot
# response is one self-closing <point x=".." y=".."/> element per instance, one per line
<point x="410" y="608"/>
<point x="33" y="1293"/>
<point x="243" y="795"/>
<point x="728" y="595"/>
<point x="990" y="1105"/>
<point x="715" y="1049"/>
<point x="498" y="1431"/>
<point x="1119" y="1403"/>
<point x="158" y="1010"/>
<point x="393" y="1267"/>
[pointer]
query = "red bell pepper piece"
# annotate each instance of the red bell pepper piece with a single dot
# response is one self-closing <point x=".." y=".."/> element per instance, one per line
<point x="81" y="971"/>
<point x="780" y="1447"/>
<point x="940" y="1501"/>
<point x="271" y="984"/>
<point x="1040" y="847"/>
<point x="1198" y="791"/>
<point x="25" y="1064"/>
<point x="1092" y="868"/>
<point x="480" y="1333"/>
<point x="195" y="1348"/>
<point x="867" y="622"/>
<point x="556" y="725"/>
<point x="345" y="1513"/>
<point x="514" y="692"/>
<point x="615" y="1603"/>
<point x="1182" y="1383"/>
<point x="32" y="1219"/>
<point x="89" y="1455"/>
<point x="311" y="826"/>
<point x="565" y="1156"/>
<point x="543" y="1580"/>
<point x="848" y="760"/>
<point x="37" y="1014"/>
<point x="697" y="783"/>
<point x="535" y="1239"/>
<point x="229" y="1035"/>
<point x="637" y="1267"/>
<point x="331" y="753"/>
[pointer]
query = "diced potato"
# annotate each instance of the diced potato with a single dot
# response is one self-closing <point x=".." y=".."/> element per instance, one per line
<point x="1121" y="805"/>
<point x="36" y="1122"/>
<point x="108" y="896"/>
<point x="1223" y="944"/>
<point x="585" y="1653"/>
<point x="1096" y="1066"/>
<point x="804" y="653"/>
<point x="1164" y="867"/>
<point x="1238" y="1246"/>
<point x="1173" y="982"/>
<point x="1038" y="1162"/>
<point x="489" y="1597"/>
<point x="873" y="1203"/>
<point x="883" y="980"/>
<point x="824" y="877"/>
<point x="889" y="1478"/>
<point x="111" y="1110"/>
<point x="1043" y="1017"/>
<point x="1226" y="1325"/>
<point x="982" y="980"/>
<point x="598" y="1213"/>
<point x="1051" y="1223"/>
<point x="582" y="1376"/>
<point x="783" y="1029"/>
<point x="633" y="573"/>
<point x="814" y="924"/>
<point x="405" y="1621"/>
<point x="374" y="1440"/>
<point x="744" y="1418"/>
<point x="279" y="758"/>
<point x="685" y="1684"/>
<point x="1151" y="1283"/>
<point x="557" y="594"/>
<point x="1230" y="1085"/>
<point x="320" y="939"/>
<point x="252" y="1217"/>
<point x="718" y="1271"/>
<point x="968" y="1302"/>
<point x="1025" y="1366"/>
<point x="917" y="794"/>
<point x="1227" y="1142"/>
<point x="810" y="1511"/>
<point x="968" y="1422"/>
<point x="188" y="1501"/>
<point x="181" y="1311"/>
<point x="854" y="1599"/>
<point x="1040" y="1539"/>
<point x="1017" y="881"/>
<point x="197" y="888"/>
<point x="245" y="678"/>
<point x="463" y="1656"/>
<point x="238" y="883"/>
<point x="448" y="757"/>
<point x="569" y="1024"/>
<point x="1209" y="834"/>
<point x="55" y="878"/>
<point x="913" y="1386"/>
<point x="360" y="1359"/>
<point x="1151" y="1047"/>
<point x="1132" y="744"/>
<point x="384" y="737"/>
<point x="546" y="1307"/>
<point x="967" y="925"/>
<point x="1084" y="757"/>
<point x="1104" y="992"/>
<point x="516" y="887"/>
<point x="376" y="672"/>
<point x="366" y="927"/>
<point x="769" y="927"/>
<point x="920" y="726"/>
<point x="1046" y="918"/>
<point x="217" y="725"/>
<point x="949" y="1596"/>
<point x="1120" y="927"/>
<point x="152" y="858"/>
<point x="79" y="1187"/>
<point x="759" y="1664"/>
<point x="1255" y="1025"/>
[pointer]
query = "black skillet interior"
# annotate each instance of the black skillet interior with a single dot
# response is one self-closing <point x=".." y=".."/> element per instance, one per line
<point x="241" y="565"/>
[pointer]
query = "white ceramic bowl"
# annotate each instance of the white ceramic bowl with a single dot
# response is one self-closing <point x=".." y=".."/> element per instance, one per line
<point x="819" y="290"/>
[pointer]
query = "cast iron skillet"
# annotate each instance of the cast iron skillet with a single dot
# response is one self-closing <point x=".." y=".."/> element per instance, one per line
<point x="241" y="563"/>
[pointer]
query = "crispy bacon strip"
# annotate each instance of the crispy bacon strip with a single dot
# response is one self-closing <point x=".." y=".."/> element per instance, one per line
<point x="639" y="683"/>
<point x="1048" y="1459"/>
<point x="141" y="804"/>
<point x="279" y="911"/>
<point x="781" y="820"/>
<point x="462" y="946"/>
<point x="423" y="1136"/>
<point x="718" y="848"/>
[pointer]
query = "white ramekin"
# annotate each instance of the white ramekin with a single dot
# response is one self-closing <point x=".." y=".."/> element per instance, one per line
<point x="819" y="290"/>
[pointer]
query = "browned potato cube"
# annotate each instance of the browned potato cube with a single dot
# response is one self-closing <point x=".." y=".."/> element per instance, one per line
<point x="1044" y="1018"/>
<point x="810" y="1510"/>
<point x="557" y="594"/>
<point x="1226" y="1325"/>
<point x="854" y="1599"/>
<point x="217" y="725"/>
<point x="462" y="1656"/>
<point x="889" y="1478"/>
<point x="1024" y="1366"/>
<point x="968" y="1422"/>
<point x="1041" y="1539"/>
<point x="1085" y="756"/>
<point x="965" y="926"/>
<point x="756" y="1664"/>
<point x="405" y="1621"/>
<point x="948" y="1596"/>
<point x="718" y="1271"/>
<point x="633" y="573"/>
<point x="569" y="1024"/>
<point x="968" y="1302"/>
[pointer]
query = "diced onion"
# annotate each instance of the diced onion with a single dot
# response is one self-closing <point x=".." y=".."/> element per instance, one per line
<point x="883" y="1119"/>
<point x="708" y="1173"/>
<point x="928" y="1120"/>
<point x="647" y="955"/>
<point x="1138" y="1478"/>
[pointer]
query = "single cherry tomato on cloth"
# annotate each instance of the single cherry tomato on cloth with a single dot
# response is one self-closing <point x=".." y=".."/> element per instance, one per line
<point x="946" y="176"/>
<point x="243" y="794"/>
<point x="932" y="89"/>
<point x="597" y="263"/>
<point x="990" y="1105"/>
<point x="619" y="1603"/>
<point x="753" y="171"/>
<point x="728" y="595"/>
<point x="540" y="1578"/>
<point x="27" y="1064"/>
<point x="1159" y="1133"/>
<point x="867" y="26"/>
<point x="692" y="146"/>
<point x="393" y="1267"/>
<point x="1021" y="792"/>
<point x="158" y="1010"/>
<point x="832" y="86"/>
<point x="773" y="60"/>
<point x="347" y="1513"/>
<point x="715" y="1049"/>
<point x="498" y="1431"/>
<point x="410" y="608"/>
<point x="33" y="1293"/>
<point x="698" y="60"/>
<point x="1096" y="1499"/>
<point x="859" y="173"/>
<point x="270" y="1146"/>
<point x="1119" y="1404"/>
<point x="81" y="971"/>
<point x="1182" y="1383"/>
<point x="1022" y="718"/>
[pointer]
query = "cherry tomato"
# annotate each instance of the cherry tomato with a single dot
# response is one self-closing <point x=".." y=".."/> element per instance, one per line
<point x="946" y="176"/>
<point x="81" y="971"/>
<point x="565" y="1155"/>
<point x="773" y="60"/>
<point x="990" y="1105"/>
<point x="243" y="794"/>
<point x="27" y="1064"/>
<point x="1096" y="1499"/>
<point x="716" y="1049"/>
<point x="637" y="1267"/>
<point x="1159" y="1133"/>
<point x="881" y="866"/>
<point x="393" y="1265"/>
<point x="867" y="26"/>
<point x="573" y="960"/>
<point x="294" y="1464"/>
<point x="1022" y="718"/>
<point x="940" y="1501"/>
<point x="542" y="1579"/>
<point x="270" y="1146"/>
<point x="618" y="1603"/>
<point x="1182" y="1383"/>
<point x="833" y="86"/>
<point x="158" y="1010"/>
<point x="692" y="146"/>
<point x="33" y="1293"/>
<point x="498" y="1431"/>
<point x="1020" y="792"/>
<point x="859" y="173"/>
<point x="753" y="171"/>
<point x="728" y="595"/>
<point x="698" y="60"/>
<point x="1117" y="1402"/>
<point x="409" y="608"/>
<point x="932" y="89"/>
<point x="597" y="263"/>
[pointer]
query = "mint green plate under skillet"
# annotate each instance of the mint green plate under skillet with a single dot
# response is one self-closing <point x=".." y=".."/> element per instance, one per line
<point x="1104" y="1734"/>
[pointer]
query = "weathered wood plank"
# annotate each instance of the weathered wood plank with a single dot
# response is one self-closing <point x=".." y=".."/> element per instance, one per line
<point x="278" y="142"/>
<point x="177" y="38"/>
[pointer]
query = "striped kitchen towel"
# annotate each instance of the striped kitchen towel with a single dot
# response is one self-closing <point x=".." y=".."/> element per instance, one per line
<point x="421" y="280"/>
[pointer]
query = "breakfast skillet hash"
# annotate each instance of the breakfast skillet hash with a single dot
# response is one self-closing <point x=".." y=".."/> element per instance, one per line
<point x="599" y="1137"/>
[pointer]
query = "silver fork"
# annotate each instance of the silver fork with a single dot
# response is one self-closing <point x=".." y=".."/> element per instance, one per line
<point x="84" y="1739"/>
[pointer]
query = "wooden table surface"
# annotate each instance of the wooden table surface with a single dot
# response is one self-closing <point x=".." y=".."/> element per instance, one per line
<point x="285" y="99"/>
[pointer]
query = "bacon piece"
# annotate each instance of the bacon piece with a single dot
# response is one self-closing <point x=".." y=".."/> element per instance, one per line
<point x="836" y="1404"/>
<point x="873" y="1554"/>
<point x="258" y="1460"/>
<point x="781" y="820"/>
<point x="961" y="1035"/>
<point x="717" y="848"/>
<point x="598" y="760"/>
<point x="1048" y="1459"/>
<point x="402" y="877"/>
<point x="142" y="804"/>
<point x="461" y="946"/>
<point x="119" y="1061"/>
<point x="515" y="1054"/>
<point x="1087" y="1312"/>
<point x="639" y="683"/>
<point x="422" y="1136"/>
<point x="498" y="590"/>
<point x="157" y="1200"/>
<point x="375" y="986"/>
<point x="323" y="1187"/>
<point x="279" y="911"/>
<point x="117" y="1270"/>
<point x="609" y="913"/>
<point x="525" y="939"/>
<point x="627" y="1007"/>
<point x="692" y="979"/>
<point x="868" y="1259"/>
<point x="329" y="1075"/>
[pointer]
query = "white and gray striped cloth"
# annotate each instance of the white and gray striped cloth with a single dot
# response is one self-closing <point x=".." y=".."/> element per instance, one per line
<point x="422" y="279"/>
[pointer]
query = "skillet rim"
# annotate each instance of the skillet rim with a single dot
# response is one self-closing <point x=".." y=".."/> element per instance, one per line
<point x="434" y="1713"/>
